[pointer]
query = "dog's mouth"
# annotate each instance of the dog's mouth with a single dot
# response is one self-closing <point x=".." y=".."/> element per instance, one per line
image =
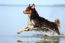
<point x="27" y="12"/>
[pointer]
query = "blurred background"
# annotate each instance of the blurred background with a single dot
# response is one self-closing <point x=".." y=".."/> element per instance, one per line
<point x="12" y="18"/>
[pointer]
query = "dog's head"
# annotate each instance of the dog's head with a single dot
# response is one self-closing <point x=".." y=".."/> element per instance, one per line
<point x="29" y="9"/>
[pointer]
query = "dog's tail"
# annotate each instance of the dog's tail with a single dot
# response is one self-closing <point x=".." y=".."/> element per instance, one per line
<point x="57" y="22"/>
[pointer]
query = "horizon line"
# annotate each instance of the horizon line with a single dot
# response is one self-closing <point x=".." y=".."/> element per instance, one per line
<point x="20" y="5"/>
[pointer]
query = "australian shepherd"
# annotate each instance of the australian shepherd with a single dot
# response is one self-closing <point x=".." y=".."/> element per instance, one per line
<point x="35" y="22"/>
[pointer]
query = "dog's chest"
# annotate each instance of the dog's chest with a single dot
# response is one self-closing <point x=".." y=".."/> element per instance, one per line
<point x="31" y="23"/>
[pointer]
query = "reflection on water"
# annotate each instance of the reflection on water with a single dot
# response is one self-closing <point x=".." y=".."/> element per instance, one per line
<point x="49" y="40"/>
<point x="44" y="39"/>
<point x="36" y="38"/>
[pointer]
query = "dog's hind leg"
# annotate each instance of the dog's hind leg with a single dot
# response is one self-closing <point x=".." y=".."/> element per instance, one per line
<point x="22" y="30"/>
<point x="57" y="30"/>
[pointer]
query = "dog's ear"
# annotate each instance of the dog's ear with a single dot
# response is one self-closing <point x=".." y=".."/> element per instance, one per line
<point x="33" y="6"/>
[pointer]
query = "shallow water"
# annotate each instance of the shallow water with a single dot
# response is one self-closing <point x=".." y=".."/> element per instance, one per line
<point x="31" y="38"/>
<point x="39" y="38"/>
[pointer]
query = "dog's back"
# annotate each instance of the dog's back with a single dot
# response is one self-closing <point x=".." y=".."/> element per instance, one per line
<point x="45" y="25"/>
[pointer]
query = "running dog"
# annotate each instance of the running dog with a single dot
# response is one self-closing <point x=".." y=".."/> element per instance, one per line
<point x="35" y="22"/>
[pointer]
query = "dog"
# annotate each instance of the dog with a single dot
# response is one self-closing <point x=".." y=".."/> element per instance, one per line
<point x="35" y="22"/>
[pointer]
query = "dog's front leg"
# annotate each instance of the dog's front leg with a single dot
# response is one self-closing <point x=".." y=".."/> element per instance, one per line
<point x="22" y="30"/>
